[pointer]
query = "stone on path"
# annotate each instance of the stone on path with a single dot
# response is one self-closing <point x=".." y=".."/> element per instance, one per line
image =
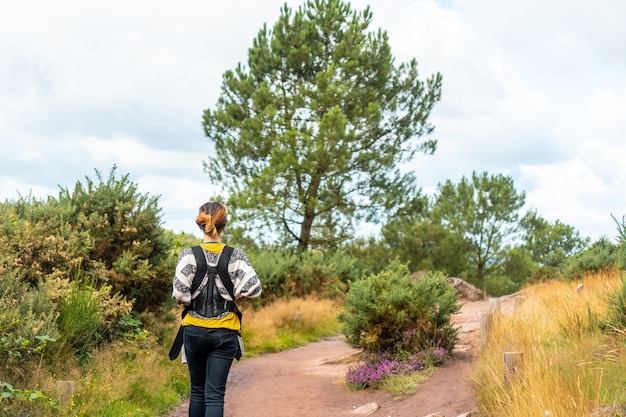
<point x="366" y="409"/>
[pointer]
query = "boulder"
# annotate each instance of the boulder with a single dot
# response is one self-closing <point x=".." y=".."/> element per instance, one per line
<point x="465" y="289"/>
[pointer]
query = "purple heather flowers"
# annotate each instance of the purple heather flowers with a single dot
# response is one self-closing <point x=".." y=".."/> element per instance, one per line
<point x="375" y="368"/>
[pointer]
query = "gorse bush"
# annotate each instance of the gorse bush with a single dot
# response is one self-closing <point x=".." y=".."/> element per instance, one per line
<point x="129" y="249"/>
<point x="103" y="227"/>
<point x="73" y="267"/>
<point x="393" y="312"/>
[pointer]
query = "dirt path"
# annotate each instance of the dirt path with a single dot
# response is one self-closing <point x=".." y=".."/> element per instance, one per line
<point x="308" y="381"/>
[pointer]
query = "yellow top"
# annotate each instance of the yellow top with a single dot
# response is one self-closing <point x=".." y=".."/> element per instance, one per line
<point x="230" y="320"/>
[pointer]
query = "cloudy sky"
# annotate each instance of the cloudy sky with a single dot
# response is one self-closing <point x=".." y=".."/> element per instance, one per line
<point x="534" y="89"/>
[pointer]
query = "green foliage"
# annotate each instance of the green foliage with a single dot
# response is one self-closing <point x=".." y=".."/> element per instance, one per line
<point x="518" y="266"/>
<point x="391" y="310"/>
<point x="484" y="210"/>
<point x="288" y="274"/>
<point x="129" y="248"/>
<point x="81" y="319"/>
<point x="28" y="328"/>
<point x="104" y="227"/>
<point x="370" y="255"/>
<point x="419" y="238"/>
<point x="308" y="139"/>
<point x="38" y="240"/>
<point x="549" y="245"/>
<point x="473" y="230"/>
<point x="602" y="255"/>
<point x="23" y="402"/>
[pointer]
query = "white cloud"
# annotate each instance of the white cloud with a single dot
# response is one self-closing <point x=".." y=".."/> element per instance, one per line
<point x="573" y="193"/>
<point x="534" y="89"/>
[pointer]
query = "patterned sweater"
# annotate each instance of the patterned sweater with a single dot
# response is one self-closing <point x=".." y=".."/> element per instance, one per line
<point x="246" y="283"/>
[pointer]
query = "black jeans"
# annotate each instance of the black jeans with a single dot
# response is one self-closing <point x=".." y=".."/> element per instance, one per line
<point x="210" y="353"/>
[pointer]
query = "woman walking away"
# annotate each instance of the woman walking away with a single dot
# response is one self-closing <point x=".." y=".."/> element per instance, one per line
<point x="212" y="325"/>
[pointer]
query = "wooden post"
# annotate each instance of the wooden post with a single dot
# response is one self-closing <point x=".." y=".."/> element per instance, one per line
<point x="65" y="390"/>
<point x="494" y="305"/>
<point x="512" y="363"/>
<point x="519" y="300"/>
<point x="485" y="327"/>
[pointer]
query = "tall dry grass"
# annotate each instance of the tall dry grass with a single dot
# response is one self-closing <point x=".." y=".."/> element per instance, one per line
<point x="569" y="367"/>
<point x="288" y="323"/>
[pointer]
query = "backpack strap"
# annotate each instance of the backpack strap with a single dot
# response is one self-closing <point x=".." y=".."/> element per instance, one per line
<point x="201" y="270"/>
<point x="222" y="270"/>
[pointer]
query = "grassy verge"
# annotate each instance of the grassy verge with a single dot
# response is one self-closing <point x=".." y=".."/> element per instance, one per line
<point x="137" y="379"/>
<point x="573" y="362"/>
<point x="286" y="324"/>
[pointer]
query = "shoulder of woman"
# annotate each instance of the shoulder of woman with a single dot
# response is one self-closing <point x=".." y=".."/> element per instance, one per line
<point x="185" y="252"/>
<point x="238" y="255"/>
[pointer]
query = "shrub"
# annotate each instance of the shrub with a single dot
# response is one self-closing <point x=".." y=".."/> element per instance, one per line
<point x="392" y="312"/>
<point x="288" y="274"/>
<point x="23" y="402"/>
<point x="130" y="249"/>
<point x="105" y="228"/>
<point x="601" y="256"/>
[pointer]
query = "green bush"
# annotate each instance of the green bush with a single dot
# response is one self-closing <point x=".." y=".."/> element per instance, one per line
<point x="38" y="241"/>
<point x="130" y="249"/>
<point x="602" y="255"/>
<point x="23" y="402"/>
<point x="391" y="312"/>
<point x="287" y="274"/>
<point x="103" y="227"/>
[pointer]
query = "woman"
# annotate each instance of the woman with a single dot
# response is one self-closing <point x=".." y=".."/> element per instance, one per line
<point x="212" y="326"/>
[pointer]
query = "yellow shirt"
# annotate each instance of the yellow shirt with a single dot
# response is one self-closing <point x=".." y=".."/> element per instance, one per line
<point x="229" y="321"/>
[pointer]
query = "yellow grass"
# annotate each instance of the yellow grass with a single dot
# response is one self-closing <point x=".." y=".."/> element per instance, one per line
<point x="288" y="323"/>
<point x="568" y="366"/>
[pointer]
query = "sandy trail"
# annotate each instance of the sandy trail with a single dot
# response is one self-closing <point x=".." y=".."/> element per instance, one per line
<point x="308" y="381"/>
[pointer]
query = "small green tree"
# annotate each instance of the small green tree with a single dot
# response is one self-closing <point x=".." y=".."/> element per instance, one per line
<point x="391" y="311"/>
<point x="550" y="244"/>
<point x="417" y="236"/>
<point x="483" y="210"/>
<point x="309" y="138"/>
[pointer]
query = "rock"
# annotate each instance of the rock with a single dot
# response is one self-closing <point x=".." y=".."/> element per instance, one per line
<point x="465" y="289"/>
<point x="469" y="414"/>
<point x="435" y="415"/>
<point x="366" y="409"/>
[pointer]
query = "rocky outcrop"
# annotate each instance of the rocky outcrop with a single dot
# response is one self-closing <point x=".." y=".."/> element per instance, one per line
<point x="466" y="289"/>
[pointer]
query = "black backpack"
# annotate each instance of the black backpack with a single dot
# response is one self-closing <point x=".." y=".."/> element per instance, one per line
<point x="201" y="271"/>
